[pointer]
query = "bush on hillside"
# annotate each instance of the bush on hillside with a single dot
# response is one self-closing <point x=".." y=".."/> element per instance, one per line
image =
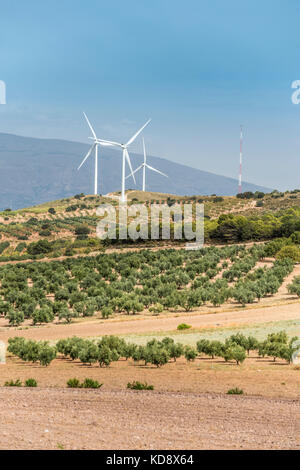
<point x="290" y="251"/>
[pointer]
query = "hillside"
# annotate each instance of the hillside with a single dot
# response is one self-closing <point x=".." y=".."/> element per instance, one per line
<point x="33" y="171"/>
<point x="21" y="228"/>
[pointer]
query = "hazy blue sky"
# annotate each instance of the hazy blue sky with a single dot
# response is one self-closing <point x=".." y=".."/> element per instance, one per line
<point x="199" y="68"/>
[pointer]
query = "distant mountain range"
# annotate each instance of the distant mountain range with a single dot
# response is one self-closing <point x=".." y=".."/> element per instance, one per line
<point x="33" y="171"/>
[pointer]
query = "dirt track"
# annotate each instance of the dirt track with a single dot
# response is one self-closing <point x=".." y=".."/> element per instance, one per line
<point x="77" y="419"/>
<point x="137" y="324"/>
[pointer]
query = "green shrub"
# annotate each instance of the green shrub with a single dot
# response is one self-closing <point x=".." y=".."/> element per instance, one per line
<point x="136" y="385"/>
<point x="259" y="195"/>
<point x="11" y="383"/>
<point x="3" y="246"/>
<point x="87" y="383"/>
<point x="72" y="208"/>
<point x="245" y="195"/>
<point x="73" y="383"/>
<point x="235" y="391"/>
<point x="82" y="232"/>
<point x="183" y="326"/>
<point x="30" y="383"/>
<point x="45" y="233"/>
<point x="218" y="199"/>
<point x="40" y="247"/>
<point x="20" y="247"/>
<point x="90" y="383"/>
<point x="290" y="251"/>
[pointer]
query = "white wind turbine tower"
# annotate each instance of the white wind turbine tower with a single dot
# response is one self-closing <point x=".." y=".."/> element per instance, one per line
<point x="94" y="147"/>
<point x="145" y="165"/>
<point x="125" y="156"/>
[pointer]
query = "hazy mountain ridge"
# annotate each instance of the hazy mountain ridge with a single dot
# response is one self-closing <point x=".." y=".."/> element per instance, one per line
<point x="33" y="171"/>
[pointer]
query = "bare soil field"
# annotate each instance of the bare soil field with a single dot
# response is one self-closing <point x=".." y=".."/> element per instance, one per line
<point x="78" y="419"/>
<point x="256" y="376"/>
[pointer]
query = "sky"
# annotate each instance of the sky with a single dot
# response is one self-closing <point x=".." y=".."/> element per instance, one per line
<point x="198" y="68"/>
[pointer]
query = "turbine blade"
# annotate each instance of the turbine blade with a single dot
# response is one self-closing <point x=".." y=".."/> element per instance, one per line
<point x="157" y="171"/>
<point x="137" y="133"/>
<point x="90" y="125"/>
<point x="129" y="164"/>
<point x="137" y="169"/>
<point x="87" y="156"/>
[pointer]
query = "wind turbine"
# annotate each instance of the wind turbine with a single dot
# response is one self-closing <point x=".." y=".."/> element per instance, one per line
<point x="125" y="156"/>
<point x="145" y="165"/>
<point x="94" y="146"/>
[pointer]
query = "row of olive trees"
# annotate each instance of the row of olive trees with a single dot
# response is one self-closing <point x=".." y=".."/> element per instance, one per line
<point x="32" y="351"/>
<point x="111" y="348"/>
